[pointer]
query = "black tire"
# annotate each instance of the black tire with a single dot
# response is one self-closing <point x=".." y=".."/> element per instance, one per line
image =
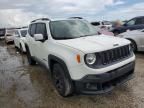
<point x="134" y="46"/>
<point x="21" y="49"/>
<point x="62" y="82"/>
<point x="31" y="61"/>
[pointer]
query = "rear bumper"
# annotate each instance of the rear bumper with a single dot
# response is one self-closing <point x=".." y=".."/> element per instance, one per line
<point x="103" y="83"/>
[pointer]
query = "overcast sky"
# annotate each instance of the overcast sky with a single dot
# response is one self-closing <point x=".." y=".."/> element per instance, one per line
<point x="21" y="12"/>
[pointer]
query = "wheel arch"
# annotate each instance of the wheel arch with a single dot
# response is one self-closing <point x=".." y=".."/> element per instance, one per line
<point x="54" y="59"/>
<point x="132" y="40"/>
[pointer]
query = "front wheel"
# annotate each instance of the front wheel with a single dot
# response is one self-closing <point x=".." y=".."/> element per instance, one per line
<point x="61" y="81"/>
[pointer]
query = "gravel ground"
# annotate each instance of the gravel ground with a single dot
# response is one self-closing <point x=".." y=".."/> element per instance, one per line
<point x="24" y="86"/>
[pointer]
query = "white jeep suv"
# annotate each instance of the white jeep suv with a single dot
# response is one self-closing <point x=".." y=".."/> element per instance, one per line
<point x="20" y="39"/>
<point x="79" y="59"/>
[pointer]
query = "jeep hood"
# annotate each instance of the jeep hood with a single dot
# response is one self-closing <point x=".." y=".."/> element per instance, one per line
<point x="93" y="44"/>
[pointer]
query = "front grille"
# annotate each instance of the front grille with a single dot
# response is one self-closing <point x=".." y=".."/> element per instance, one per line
<point x="114" y="55"/>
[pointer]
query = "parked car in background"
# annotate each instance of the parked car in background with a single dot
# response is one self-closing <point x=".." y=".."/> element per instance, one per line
<point x="9" y="35"/>
<point x="105" y="32"/>
<point x="78" y="58"/>
<point x="2" y="33"/>
<point x="136" y="37"/>
<point x="133" y="24"/>
<point x="102" y="24"/>
<point x="20" y="39"/>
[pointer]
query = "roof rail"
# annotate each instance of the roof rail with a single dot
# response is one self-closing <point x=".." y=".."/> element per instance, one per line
<point x="75" y="18"/>
<point x="44" y="19"/>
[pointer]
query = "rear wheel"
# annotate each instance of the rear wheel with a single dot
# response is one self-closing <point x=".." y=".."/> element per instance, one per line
<point x="61" y="81"/>
<point x="30" y="59"/>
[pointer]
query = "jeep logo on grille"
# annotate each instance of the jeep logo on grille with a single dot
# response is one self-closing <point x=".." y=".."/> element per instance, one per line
<point x="116" y="45"/>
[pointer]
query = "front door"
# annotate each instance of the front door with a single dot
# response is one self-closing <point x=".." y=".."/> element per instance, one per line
<point x="40" y="46"/>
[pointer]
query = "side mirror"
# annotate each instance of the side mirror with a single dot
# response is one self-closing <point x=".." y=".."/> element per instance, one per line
<point x="38" y="37"/>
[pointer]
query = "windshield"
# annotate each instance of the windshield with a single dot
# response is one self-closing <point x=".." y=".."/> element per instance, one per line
<point x="23" y="33"/>
<point x="70" y="29"/>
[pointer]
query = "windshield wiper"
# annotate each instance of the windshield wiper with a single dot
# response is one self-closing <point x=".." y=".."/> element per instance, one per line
<point x="64" y="38"/>
<point x="88" y="35"/>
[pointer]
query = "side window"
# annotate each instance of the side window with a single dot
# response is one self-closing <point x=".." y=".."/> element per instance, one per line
<point x="17" y="33"/>
<point x="131" y="22"/>
<point x="32" y="29"/>
<point x="140" y="21"/>
<point x="41" y="29"/>
<point x="23" y="33"/>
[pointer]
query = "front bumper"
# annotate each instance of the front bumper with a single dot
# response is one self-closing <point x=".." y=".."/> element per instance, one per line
<point x="103" y="83"/>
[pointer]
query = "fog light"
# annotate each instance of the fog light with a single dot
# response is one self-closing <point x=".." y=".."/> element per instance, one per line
<point x="91" y="86"/>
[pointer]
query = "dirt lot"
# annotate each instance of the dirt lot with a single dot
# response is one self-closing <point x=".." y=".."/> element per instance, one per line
<point x="24" y="86"/>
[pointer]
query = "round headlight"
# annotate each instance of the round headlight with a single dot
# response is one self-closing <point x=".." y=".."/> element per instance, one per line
<point x="90" y="59"/>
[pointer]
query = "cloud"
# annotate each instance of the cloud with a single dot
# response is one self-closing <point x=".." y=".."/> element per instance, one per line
<point x="126" y="12"/>
<point x="58" y="6"/>
<point x="21" y="12"/>
<point x="119" y="3"/>
<point x="16" y="18"/>
<point x="17" y="12"/>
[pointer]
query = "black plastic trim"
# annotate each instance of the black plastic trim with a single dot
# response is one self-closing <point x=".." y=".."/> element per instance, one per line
<point x="105" y="82"/>
<point x="60" y="61"/>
